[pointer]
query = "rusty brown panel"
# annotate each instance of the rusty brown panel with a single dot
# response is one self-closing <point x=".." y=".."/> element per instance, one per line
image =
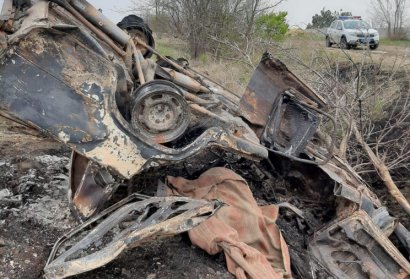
<point x="271" y="79"/>
<point x="86" y="197"/>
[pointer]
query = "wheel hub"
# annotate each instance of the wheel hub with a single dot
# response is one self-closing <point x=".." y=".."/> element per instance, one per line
<point x="160" y="113"/>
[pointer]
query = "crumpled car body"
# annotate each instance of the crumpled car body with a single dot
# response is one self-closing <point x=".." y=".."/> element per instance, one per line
<point x="69" y="72"/>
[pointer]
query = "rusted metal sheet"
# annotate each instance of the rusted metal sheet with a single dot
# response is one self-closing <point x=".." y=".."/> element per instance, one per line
<point x="90" y="186"/>
<point x="282" y="110"/>
<point x="126" y="225"/>
<point x="271" y="79"/>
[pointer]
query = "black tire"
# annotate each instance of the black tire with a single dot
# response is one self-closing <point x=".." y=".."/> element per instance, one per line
<point x="373" y="47"/>
<point x="344" y="44"/>
<point x="134" y="23"/>
<point x="328" y="42"/>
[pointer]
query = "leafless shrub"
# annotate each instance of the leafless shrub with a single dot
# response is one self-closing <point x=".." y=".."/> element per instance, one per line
<point x="392" y="15"/>
<point x="198" y="21"/>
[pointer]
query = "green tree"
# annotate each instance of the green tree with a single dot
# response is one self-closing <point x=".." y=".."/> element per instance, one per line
<point x="272" y="25"/>
<point x="325" y="18"/>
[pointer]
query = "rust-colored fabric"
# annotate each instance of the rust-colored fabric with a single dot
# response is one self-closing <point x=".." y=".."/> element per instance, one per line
<point x="247" y="233"/>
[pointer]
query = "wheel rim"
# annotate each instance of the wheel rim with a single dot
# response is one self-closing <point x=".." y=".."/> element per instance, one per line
<point x="159" y="113"/>
<point x="343" y="43"/>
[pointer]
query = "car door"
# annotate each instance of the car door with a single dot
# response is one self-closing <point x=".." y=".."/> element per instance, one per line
<point x="338" y="32"/>
<point x="332" y="32"/>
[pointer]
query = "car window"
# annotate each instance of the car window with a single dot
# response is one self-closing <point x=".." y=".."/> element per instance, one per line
<point x="332" y="26"/>
<point x="339" y="25"/>
<point x="356" y="24"/>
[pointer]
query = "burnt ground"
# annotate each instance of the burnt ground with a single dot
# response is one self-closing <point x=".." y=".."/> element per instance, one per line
<point x="34" y="213"/>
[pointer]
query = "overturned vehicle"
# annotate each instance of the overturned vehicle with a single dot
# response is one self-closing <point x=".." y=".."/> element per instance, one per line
<point x="69" y="72"/>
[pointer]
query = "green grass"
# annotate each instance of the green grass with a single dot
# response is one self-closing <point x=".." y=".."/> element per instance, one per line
<point x="304" y="35"/>
<point x="400" y="43"/>
<point x="167" y="47"/>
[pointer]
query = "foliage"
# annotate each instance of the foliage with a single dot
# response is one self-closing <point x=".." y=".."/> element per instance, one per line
<point x="272" y="26"/>
<point x="325" y="18"/>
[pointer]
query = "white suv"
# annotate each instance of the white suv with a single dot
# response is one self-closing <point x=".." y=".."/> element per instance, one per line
<point x="350" y="32"/>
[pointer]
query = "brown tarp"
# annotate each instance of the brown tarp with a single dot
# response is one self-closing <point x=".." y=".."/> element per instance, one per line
<point x="246" y="232"/>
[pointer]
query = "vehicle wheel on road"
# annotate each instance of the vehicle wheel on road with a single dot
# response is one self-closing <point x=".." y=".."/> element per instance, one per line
<point x="344" y="44"/>
<point x="373" y="47"/>
<point x="328" y="43"/>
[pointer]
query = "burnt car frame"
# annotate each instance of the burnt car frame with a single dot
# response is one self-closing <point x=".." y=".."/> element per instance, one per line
<point x="69" y="72"/>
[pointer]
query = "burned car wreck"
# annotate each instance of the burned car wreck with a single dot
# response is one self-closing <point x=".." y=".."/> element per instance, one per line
<point x="69" y="72"/>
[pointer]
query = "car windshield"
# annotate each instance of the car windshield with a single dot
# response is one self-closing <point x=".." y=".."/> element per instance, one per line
<point x="356" y="24"/>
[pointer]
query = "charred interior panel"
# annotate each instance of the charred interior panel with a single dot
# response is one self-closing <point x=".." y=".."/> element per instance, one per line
<point x="283" y="111"/>
<point x="290" y="127"/>
<point x="69" y="72"/>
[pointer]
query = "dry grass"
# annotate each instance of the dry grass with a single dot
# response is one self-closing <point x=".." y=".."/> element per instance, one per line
<point x="303" y="53"/>
<point x="233" y="76"/>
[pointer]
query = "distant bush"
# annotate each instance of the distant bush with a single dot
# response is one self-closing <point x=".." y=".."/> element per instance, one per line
<point x="272" y="26"/>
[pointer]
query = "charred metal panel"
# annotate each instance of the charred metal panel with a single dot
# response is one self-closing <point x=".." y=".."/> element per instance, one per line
<point x="130" y="223"/>
<point x="52" y="106"/>
<point x="58" y="85"/>
<point x="271" y="79"/>
<point x="356" y="248"/>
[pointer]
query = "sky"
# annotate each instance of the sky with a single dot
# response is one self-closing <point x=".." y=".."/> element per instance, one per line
<point x="300" y="12"/>
<point x="111" y="8"/>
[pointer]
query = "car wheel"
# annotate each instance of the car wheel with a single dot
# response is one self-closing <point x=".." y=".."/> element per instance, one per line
<point x="373" y="47"/>
<point x="344" y="44"/>
<point x="328" y="43"/>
